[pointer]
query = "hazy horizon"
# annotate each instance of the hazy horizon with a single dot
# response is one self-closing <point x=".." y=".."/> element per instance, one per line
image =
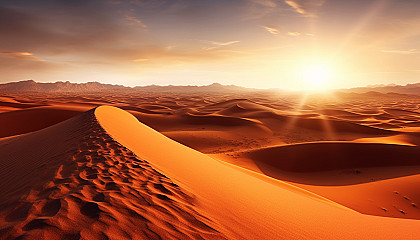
<point x="203" y="85"/>
<point x="291" y="44"/>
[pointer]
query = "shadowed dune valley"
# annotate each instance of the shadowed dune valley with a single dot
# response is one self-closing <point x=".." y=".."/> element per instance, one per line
<point x="141" y="164"/>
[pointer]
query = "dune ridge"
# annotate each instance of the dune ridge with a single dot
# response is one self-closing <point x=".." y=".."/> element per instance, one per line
<point x="74" y="181"/>
<point x="238" y="201"/>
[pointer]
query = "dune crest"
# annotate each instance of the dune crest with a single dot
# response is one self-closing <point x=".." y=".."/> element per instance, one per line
<point x="248" y="207"/>
<point x="74" y="181"/>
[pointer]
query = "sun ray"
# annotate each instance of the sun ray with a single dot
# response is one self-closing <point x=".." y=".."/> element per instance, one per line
<point x="376" y="8"/>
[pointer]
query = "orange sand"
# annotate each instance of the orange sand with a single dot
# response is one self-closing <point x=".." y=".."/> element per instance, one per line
<point x="252" y="167"/>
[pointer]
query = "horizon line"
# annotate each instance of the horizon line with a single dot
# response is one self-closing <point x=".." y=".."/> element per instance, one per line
<point x="214" y="83"/>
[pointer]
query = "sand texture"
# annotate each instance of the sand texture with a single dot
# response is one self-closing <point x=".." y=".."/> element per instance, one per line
<point x="183" y="166"/>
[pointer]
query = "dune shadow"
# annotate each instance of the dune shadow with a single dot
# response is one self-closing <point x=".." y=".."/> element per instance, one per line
<point x="337" y="163"/>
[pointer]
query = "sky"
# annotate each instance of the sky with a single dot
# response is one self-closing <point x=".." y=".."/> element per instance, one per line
<point x="286" y="44"/>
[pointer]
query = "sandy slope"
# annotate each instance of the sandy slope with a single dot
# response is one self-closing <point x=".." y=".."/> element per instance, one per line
<point x="247" y="206"/>
<point x="373" y="178"/>
<point x="36" y="118"/>
<point x="72" y="180"/>
<point x="311" y="163"/>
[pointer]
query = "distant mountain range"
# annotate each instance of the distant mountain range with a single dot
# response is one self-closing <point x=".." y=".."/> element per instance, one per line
<point x="32" y="86"/>
<point x="215" y="87"/>
<point x="28" y="86"/>
<point x="412" y="89"/>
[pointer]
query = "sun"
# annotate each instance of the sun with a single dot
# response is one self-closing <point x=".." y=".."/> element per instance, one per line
<point x="316" y="76"/>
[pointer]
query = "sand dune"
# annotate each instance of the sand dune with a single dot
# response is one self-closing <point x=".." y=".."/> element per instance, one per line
<point x="383" y="176"/>
<point x="36" y="118"/>
<point x="268" y="218"/>
<point x="277" y="168"/>
<point x="325" y="156"/>
<point x="74" y="175"/>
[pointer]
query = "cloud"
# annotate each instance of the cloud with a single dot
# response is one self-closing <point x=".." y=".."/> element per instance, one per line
<point x="69" y="35"/>
<point x="26" y="56"/>
<point x="73" y="37"/>
<point x="405" y="52"/>
<point x="275" y="31"/>
<point x="265" y="3"/>
<point x="221" y="43"/>
<point x="20" y="66"/>
<point x="217" y="45"/>
<point x="71" y="30"/>
<point x="256" y="9"/>
<point x="162" y="54"/>
<point x="293" y="34"/>
<point x="307" y="8"/>
<point x="272" y="30"/>
<point x="141" y="60"/>
<point x="133" y="20"/>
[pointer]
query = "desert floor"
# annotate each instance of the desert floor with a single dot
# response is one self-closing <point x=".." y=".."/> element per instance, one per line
<point x="209" y="166"/>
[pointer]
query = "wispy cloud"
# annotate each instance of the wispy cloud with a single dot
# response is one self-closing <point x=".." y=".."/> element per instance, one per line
<point x="305" y="7"/>
<point x="220" y="43"/>
<point x="296" y="6"/>
<point x="293" y="34"/>
<point x="275" y="31"/>
<point x="217" y="45"/>
<point x="22" y="56"/>
<point x="265" y="3"/>
<point x="134" y="20"/>
<point x="141" y="60"/>
<point x="154" y="56"/>
<point x="257" y="9"/>
<point x="272" y="30"/>
<point x="406" y="52"/>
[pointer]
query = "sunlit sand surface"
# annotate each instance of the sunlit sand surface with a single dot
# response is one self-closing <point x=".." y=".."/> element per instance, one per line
<point x="209" y="166"/>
